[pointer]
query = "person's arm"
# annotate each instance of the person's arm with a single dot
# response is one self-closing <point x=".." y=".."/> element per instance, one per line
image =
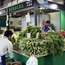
<point x="10" y="47"/>
<point x="10" y="50"/>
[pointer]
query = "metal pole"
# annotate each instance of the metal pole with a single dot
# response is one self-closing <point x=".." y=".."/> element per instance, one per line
<point x="35" y="11"/>
<point x="7" y="14"/>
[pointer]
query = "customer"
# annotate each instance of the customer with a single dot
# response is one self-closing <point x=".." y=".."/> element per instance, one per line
<point x="47" y="27"/>
<point x="5" y="46"/>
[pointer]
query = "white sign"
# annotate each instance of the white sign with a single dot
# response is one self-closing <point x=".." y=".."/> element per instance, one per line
<point x="28" y="35"/>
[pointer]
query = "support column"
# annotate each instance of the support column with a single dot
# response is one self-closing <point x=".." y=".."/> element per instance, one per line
<point x="35" y="11"/>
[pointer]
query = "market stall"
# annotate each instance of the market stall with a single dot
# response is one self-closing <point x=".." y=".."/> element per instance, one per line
<point x="26" y="19"/>
<point x="34" y="13"/>
<point x="47" y="47"/>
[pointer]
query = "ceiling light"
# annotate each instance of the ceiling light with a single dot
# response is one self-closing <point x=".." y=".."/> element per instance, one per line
<point x="42" y="1"/>
<point x="50" y="0"/>
<point x="53" y="6"/>
<point x="23" y="0"/>
<point x="0" y="12"/>
<point x="41" y="8"/>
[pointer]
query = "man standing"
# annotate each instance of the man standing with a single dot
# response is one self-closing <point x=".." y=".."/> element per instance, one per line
<point x="5" y="46"/>
<point x="46" y="27"/>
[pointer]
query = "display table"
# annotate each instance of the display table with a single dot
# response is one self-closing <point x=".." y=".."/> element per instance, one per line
<point x="42" y="60"/>
<point x="20" y="57"/>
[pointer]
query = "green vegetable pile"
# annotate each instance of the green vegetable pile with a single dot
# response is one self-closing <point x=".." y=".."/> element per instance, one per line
<point x="21" y="35"/>
<point x="35" y="46"/>
<point x="54" y="43"/>
<point x="30" y="29"/>
<point x="53" y="27"/>
<point x="47" y="43"/>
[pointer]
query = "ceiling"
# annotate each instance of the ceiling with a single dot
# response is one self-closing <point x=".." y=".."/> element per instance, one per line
<point x="2" y="1"/>
<point x="57" y="1"/>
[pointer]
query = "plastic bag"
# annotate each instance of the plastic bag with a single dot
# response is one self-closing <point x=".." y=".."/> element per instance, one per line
<point x="11" y="55"/>
<point x="32" y="61"/>
<point x="0" y="60"/>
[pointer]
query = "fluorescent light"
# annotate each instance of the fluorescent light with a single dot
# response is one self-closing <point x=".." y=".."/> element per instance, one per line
<point x="50" y="0"/>
<point x="20" y="0"/>
<point x="40" y="1"/>
<point x="53" y="6"/>
<point x="41" y="8"/>
<point x="0" y="12"/>
<point x="23" y="0"/>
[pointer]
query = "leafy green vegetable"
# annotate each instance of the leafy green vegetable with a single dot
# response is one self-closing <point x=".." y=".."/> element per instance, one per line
<point x="53" y="27"/>
<point x="47" y="43"/>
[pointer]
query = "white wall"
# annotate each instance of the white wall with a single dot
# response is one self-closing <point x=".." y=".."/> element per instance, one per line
<point x="23" y="23"/>
<point x="55" y="19"/>
<point x="41" y="18"/>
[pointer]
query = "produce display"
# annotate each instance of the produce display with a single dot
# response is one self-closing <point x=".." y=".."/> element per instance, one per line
<point x="63" y="34"/>
<point x="46" y="43"/>
<point x="53" y="27"/>
<point x="14" y="41"/>
<point x="55" y="42"/>
<point x="30" y="29"/>
<point x="33" y="46"/>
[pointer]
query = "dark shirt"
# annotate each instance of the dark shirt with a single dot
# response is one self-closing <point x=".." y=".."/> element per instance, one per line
<point x="46" y="28"/>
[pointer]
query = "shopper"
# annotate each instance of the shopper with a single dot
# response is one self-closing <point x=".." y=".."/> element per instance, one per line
<point x="5" y="46"/>
<point x="47" y="27"/>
